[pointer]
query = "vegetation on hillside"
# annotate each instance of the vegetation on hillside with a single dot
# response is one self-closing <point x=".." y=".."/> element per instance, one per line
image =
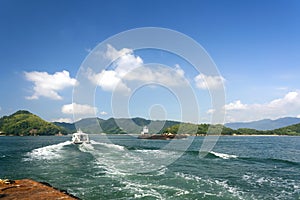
<point x="117" y="126"/>
<point x="201" y="129"/>
<point x="23" y="123"/>
<point x="288" y="130"/>
<point x="204" y="129"/>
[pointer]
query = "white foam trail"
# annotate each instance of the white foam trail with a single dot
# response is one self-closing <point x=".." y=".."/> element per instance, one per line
<point x="223" y="155"/>
<point x="211" y="183"/>
<point x="142" y="189"/>
<point x="117" y="160"/>
<point x="48" y="152"/>
<point x="233" y="190"/>
<point x="86" y="147"/>
<point x="109" y="145"/>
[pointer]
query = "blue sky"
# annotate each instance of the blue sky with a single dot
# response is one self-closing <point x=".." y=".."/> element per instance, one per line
<point x="255" y="45"/>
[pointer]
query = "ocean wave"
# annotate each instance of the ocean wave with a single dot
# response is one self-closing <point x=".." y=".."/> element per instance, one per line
<point x="118" y="160"/>
<point x="142" y="189"/>
<point x="109" y="145"/>
<point x="289" y="188"/>
<point x="213" y="154"/>
<point x="223" y="155"/>
<point x="275" y="161"/>
<point x="214" y="187"/>
<point x="86" y="147"/>
<point x="47" y="153"/>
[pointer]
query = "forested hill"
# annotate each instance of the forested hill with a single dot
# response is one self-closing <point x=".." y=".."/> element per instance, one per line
<point x="202" y="129"/>
<point x="117" y="125"/>
<point x="23" y="123"/>
<point x="288" y="130"/>
<point x="265" y="124"/>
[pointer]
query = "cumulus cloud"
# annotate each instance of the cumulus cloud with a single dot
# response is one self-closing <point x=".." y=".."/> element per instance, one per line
<point x="158" y="74"/>
<point x="179" y="70"/>
<point x="66" y="120"/>
<point x="237" y="105"/>
<point x="129" y="67"/>
<point x="103" y="113"/>
<point x="108" y="80"/>
<point x="112" y="53"/>
<point x="205" y="82"/>
<point x="211" y="111"/>
<point x="80" y="109"/>
<point x="288" y="105"/>
<point x="48" y="85"/>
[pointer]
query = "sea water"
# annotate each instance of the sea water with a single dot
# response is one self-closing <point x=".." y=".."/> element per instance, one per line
<point x="124" y="167"/>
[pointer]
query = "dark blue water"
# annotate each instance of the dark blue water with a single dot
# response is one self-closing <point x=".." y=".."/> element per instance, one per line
<point x="123" y="167"/>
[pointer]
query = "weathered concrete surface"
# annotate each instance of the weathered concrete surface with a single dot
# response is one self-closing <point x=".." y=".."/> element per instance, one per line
<point x="29" y="189"/>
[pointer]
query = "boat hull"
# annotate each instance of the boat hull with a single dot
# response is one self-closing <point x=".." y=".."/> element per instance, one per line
<point x="161" y="137"/>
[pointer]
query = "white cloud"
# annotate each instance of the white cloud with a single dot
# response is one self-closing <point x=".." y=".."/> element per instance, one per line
<point x="209" y="82"/>
<point x="129" y="67"/>
<point x="288" y="105"/>
<point x="178" y="70"/>
<point x="211" y="111"/>
<point x="108" y="80"/>
<point x="237" y="105"/>
<point x="158" y="74"/>
<point x="103" y="113"/>
<point x="66" y="120"/>
<point x="112" y="54"/>
<point x="80" y="109"/>
<point x="48" y="85"/>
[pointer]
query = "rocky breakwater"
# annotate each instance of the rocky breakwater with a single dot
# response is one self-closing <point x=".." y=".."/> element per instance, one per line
<point x="30" y="189"/>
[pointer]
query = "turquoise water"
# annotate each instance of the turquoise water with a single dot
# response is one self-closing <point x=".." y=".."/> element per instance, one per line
<point x="124" y="167"/>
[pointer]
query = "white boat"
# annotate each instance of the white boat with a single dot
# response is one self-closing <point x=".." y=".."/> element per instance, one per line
<point x="145" y="130"/>
<point x="79" y="137"/>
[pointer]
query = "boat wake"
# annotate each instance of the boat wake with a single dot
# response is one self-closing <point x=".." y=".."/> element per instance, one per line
<point x="223" y="155"/>
<point x="214" y="155"/>
<point x="47" y="153"/>
<point x="116" y="159"/>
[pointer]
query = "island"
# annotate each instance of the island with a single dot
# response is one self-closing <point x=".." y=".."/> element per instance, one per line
<point x="24" y="123"/>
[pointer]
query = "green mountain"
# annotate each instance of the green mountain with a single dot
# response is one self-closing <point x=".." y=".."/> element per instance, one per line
<point x="23" y="123"/>
<point x="288" y="130"/>
<point x="265" y="124"/>
<point x="135" y="126"/>
<point x="117" y="126"/>
<point x="200" y="129"/>
<point x="70" y="127"/>
<point x="203" y="129"/>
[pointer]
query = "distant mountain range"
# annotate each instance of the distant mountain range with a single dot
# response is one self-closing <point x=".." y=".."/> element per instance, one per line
<point x="24" y="123"/>
<point x="265" y="124"/>
<point x="117" y="125"/>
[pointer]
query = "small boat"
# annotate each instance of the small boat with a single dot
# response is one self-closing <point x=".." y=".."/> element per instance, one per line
<point x="145" y="130"/>
<point x="80" y="137"/>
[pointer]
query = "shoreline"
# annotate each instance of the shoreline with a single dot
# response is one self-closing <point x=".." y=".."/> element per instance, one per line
<point x="187" y="135"/>
<point x="30" y="189"/>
